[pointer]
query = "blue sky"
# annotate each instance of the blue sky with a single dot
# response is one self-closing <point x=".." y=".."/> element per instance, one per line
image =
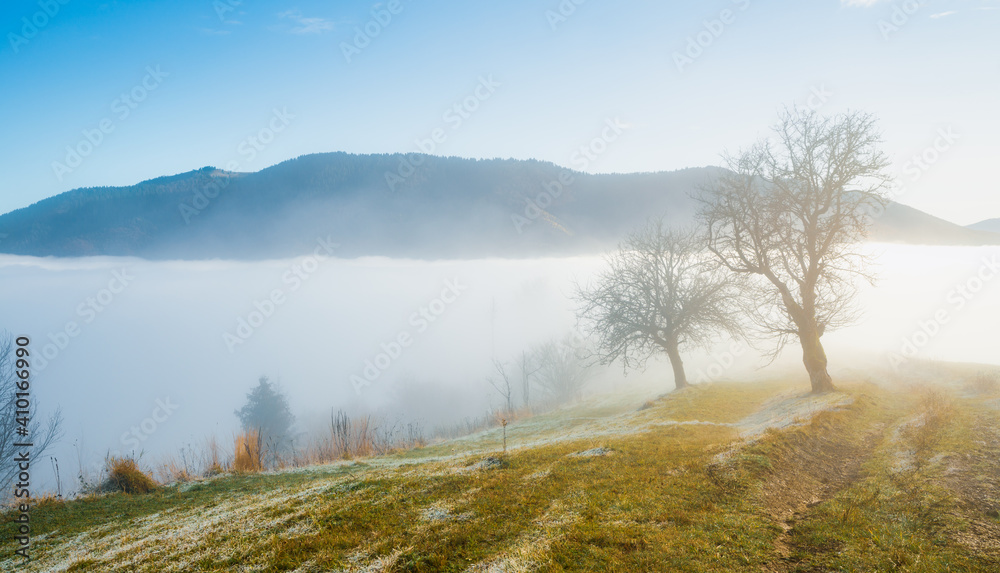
<point x="211" y="75"/>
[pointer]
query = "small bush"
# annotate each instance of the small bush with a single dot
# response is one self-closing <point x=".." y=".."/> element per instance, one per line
<point x="124" y="475"/>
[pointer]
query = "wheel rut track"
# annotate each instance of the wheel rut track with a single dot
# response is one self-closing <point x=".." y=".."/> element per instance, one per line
<point x="814" y="467"/>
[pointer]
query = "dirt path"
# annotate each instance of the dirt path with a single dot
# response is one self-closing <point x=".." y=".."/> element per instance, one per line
<point x="813" y="468"/>
<point x="974" y="480"/>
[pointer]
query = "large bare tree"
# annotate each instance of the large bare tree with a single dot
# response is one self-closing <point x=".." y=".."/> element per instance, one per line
<point x="790" y="215"/>
<point x="662" y="291"/>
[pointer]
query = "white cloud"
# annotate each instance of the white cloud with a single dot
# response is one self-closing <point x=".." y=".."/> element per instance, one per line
<point x="305" y="25"/>
<point x="943" y="14"/>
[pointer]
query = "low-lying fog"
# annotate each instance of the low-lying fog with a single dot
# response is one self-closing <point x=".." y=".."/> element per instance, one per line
<point x="119" y="336"/>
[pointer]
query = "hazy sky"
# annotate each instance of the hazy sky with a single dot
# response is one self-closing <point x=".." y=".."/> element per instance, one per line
<point x="212" y="75"/>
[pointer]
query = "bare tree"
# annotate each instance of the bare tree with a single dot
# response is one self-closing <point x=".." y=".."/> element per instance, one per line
<point x="562" y="374"/>
<point x="661" y="292"/>
<point x="502" y="385"/>
<point x="528" y="364"/>
<point x="41" y="436"/>
<point x="789" y="216"/>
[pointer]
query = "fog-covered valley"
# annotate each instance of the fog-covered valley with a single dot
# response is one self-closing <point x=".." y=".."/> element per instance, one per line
<point x="123" y="341"/>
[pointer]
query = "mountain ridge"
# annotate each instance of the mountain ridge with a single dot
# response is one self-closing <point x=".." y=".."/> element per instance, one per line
<point x="416" y="206"/>
<point x="991" y="225"/>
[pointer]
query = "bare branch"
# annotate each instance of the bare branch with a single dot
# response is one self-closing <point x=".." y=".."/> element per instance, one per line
<point x="789" y="216"/>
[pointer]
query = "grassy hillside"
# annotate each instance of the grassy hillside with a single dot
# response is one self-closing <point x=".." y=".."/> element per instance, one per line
<point x="899" y="476"/>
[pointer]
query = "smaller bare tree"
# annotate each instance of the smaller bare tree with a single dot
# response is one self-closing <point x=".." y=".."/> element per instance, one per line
<point x="502" y="385"/>
<point x="662" y="292"/>
<point x="562" y="374"/>
<point x="42" y="436"/>
<point x="528" y="364"/>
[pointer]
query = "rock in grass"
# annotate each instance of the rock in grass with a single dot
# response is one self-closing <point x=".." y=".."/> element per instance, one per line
<point x="490" y="463"/>
<point x="592" y="453"/>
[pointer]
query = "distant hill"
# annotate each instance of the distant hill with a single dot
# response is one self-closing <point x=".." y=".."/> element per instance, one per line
<point x="992" y="225"/>
<point x="382" y="205"/>
<point x="902" y="224"/>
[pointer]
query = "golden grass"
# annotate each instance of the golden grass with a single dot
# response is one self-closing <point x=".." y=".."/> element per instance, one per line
<point x="125" y="475"/>
<point x="248" y="452"/>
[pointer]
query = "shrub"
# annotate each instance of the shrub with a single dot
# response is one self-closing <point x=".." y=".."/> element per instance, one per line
<point x="124" y="475"/>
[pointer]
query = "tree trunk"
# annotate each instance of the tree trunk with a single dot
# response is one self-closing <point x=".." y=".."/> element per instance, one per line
<point x="814" y="358"/>
<point x="680" y="378"/>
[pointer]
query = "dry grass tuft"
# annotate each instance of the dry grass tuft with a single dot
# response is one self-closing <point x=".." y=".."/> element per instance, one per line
<point x="249" y="447"/>
<point x="213" y="464"/>
<point x="125" y="475"/>
<point x="47" y="500"/>
<point x="169" y="471"/>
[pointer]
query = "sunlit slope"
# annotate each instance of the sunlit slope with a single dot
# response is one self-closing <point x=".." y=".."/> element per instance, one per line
<point x="726" y="477"/>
